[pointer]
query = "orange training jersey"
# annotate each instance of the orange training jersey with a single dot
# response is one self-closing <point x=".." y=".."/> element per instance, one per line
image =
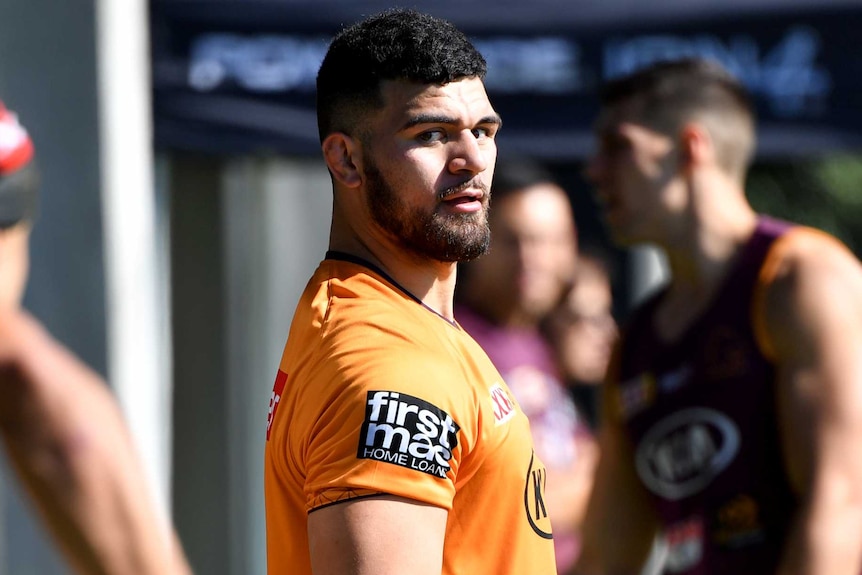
<point x="376" y="393"/>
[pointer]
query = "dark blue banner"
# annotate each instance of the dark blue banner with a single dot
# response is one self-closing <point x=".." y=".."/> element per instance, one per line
<point x="237" y="76"/>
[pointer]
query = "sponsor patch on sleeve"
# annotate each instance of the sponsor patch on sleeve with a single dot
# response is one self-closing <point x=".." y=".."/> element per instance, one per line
<point x="407" y="431"/>
<point x="274" y="400"/>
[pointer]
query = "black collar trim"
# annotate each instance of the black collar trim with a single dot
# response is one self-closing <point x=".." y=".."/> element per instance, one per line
<point x="345" y="257"/>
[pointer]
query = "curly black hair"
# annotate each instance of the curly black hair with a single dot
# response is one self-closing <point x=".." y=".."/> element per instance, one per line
<point x="397" y="44"/>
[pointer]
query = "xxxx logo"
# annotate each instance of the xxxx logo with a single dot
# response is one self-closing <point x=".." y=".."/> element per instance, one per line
<point x="504" y="407"/>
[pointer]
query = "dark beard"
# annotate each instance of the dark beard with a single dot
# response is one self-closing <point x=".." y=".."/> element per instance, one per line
<point x="441" y="237"/>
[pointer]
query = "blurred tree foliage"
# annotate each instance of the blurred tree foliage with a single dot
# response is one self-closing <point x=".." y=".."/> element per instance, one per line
<point x="825" y="193"/>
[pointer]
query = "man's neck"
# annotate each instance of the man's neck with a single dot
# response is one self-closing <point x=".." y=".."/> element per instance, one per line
<point x="430" y="281"/>
<point x="702" y="254"/>
<point x="699" y="265"/>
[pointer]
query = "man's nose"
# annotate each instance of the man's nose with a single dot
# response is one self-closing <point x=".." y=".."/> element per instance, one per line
<point x="468" y="155"/>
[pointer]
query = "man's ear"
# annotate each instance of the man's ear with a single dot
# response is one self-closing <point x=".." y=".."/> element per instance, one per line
<point x="343" y="156"/>
<point x="696" y="145"/>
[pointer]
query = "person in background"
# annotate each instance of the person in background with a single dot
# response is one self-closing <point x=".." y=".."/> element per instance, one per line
<point x="733" y="414"/>
<point x="62" y="429"/>
<point x="583" y="331"/>
<point x="393" y="446"/>
<point x="501" y="300"/>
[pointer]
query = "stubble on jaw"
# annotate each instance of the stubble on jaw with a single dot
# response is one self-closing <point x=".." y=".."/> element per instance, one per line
<point x="428" y="234"/>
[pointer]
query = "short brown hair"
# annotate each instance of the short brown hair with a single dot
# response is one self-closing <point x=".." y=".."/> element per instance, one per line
<point x="670" y="93"/>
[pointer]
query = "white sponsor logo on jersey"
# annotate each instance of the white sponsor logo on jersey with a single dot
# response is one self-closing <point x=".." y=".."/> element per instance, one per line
<point x="681" y="454"/>
<point x="407" y="431"/>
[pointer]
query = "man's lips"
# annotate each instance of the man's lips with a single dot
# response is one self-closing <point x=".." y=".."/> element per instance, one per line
<point x="465" y="196"/>
<point x="471" y="190"/>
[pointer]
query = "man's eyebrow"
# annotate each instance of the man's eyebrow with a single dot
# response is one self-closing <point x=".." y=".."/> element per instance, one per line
<point x="439" y="119"/>
<point x="492" y="119"/>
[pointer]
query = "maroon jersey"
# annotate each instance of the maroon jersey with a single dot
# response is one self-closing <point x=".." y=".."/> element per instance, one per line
<point x="701" y="415"/>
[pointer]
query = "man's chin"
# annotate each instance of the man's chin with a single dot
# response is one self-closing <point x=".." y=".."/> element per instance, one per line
<point x="448" y="251"/>
<point x="468" y="255"/>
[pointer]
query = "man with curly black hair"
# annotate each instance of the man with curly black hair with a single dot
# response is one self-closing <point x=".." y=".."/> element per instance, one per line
<point x="393" y="444"/>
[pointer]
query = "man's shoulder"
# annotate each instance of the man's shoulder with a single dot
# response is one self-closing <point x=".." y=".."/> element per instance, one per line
<point x="353" y="309"/>
<point x="804" y="251"/>
<point x="345" y="292"/>
<point x="351" y="282"/>
<point x="808" y="276"/>
<point x="25" y="342"/>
